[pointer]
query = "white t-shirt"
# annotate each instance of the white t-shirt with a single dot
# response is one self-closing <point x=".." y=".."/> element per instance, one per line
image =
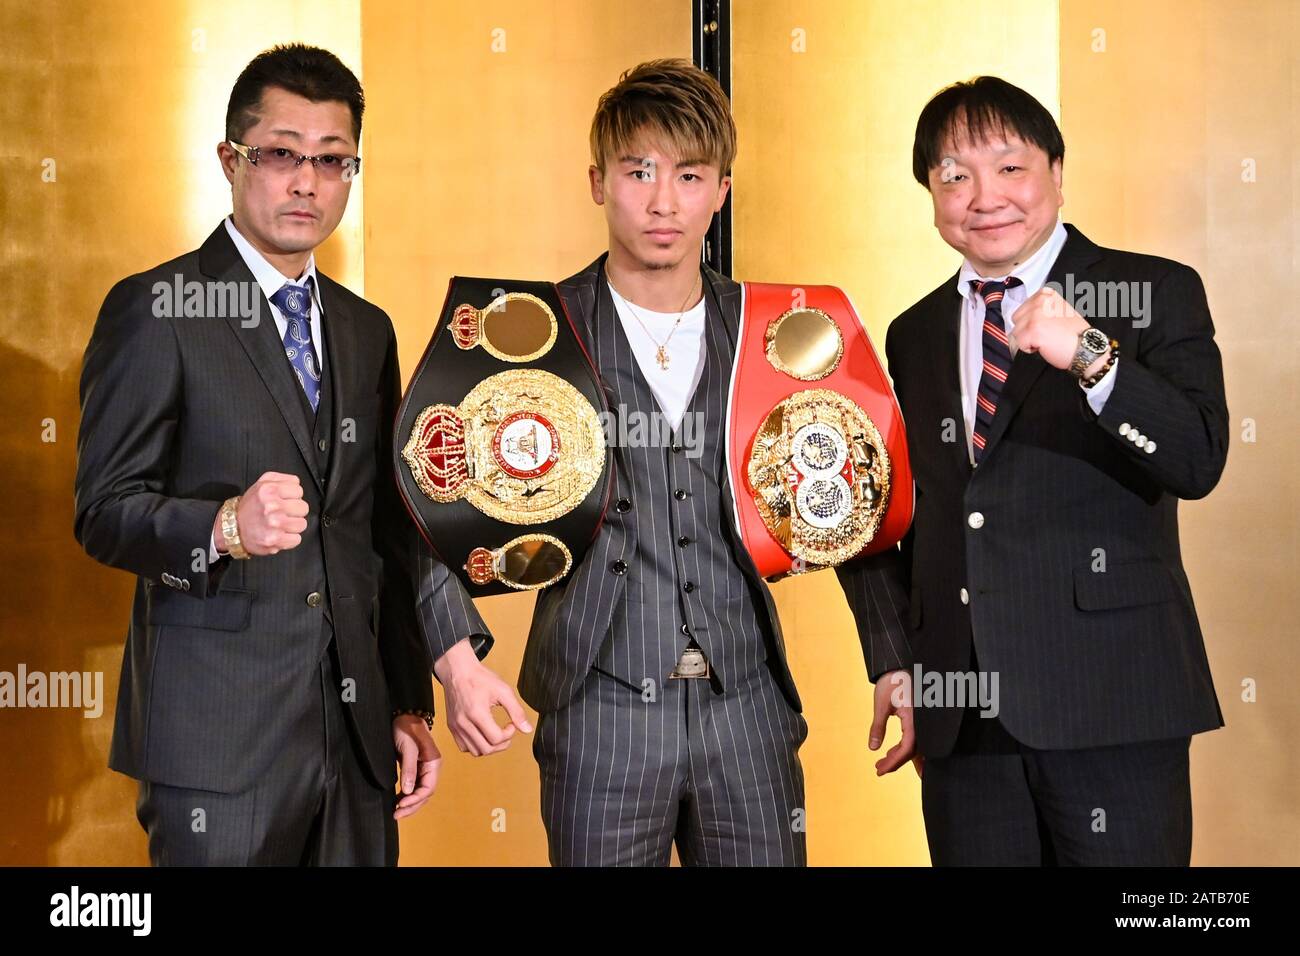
<point x="674" y="386"/>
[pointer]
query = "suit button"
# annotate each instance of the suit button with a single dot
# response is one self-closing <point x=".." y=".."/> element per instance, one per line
<point x="623" y="506"/>
<point x="1124" y="428"/>
<point x="677" y="449"/>
<point x="322" y="444"/>
<point x="1151" y="446"/>
<point x="185" y="584"/>
<point x="313" y="599"/>
<point x="965" y="596"/>
<point x="680" y="494"/>
<point x="619" y="566"/>
<point x="688" y="587"/>
<point x="1133" y="435"/>
<point x="683" y="541"/>
<point x="327" y="520"/>
<point x="975" y="519"/>
<point x="1142" y="441"/>
<point x="686" y="630"/>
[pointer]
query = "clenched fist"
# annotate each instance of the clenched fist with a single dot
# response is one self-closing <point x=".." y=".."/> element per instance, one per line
<point x="272" y="515"/>
<point x="1049" y="325"/>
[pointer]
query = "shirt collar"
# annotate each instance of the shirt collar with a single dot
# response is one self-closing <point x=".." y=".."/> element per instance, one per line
<point x="1032" y="272"/>
<point x="268" y="276"/>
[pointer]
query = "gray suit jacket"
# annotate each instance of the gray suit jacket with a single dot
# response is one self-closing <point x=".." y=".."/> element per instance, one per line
<point x="572" y="618"/>
<point x="180" y="413"/>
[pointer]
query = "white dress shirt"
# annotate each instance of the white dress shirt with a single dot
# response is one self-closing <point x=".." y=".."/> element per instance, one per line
<point x="270" y="280"/>
<point x="673" y="386"/>
<point x="1033" y="275"/>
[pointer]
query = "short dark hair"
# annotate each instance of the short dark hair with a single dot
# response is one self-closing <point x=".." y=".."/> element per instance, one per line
<point x="307" y="71"/>
<point x="672" y="98"/>
<point x="975" y="109"/>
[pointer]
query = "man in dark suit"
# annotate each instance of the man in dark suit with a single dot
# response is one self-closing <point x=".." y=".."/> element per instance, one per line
<point x="1059" y="398"/>
<point x="668" y="714"/>
<point x="236" y="404"/>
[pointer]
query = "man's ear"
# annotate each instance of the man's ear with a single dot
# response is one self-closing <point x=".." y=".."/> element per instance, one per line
<point x="228" y="158"/>
<point x="724" y="186"/>
<point x="597" y="180"/>
<point x="1058" y="171"/>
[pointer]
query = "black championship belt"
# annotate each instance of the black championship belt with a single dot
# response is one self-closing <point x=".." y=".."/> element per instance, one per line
<point x="500" y="449"/>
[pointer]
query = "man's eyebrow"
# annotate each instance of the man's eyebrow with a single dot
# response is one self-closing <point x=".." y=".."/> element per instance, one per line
<point x="294" y="134"/>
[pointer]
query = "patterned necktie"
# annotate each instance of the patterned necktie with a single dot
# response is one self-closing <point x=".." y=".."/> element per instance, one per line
<point x="997" y="360"/>
<point x="294" y="302"/>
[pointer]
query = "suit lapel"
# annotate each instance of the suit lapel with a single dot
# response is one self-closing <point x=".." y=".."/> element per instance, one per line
<point x="343" y="338"/>
<point x="583" y="292"/>
<point x="947" y="354"/>
<point x="726" y="298"/>
<point x="1076" y="255"/>
<point x="220" y="260"/>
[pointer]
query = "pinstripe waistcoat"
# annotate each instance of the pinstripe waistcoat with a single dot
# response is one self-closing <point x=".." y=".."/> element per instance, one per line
<point x="666" y="565"/>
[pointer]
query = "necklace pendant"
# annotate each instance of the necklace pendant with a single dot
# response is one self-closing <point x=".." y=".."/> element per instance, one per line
<point x="661" y="357"/>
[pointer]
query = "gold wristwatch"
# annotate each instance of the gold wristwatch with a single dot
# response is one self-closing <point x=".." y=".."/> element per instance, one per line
<point x="230" y="529"/>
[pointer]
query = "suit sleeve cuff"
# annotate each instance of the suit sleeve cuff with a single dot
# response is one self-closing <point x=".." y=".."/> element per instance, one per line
<point x="1098" y="394"/>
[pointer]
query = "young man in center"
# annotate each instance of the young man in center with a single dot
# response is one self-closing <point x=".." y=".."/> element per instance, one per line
<point x="668" y="713"/>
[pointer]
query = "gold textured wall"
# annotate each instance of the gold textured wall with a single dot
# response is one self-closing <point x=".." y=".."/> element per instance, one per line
<point x="1201" y="167"/>
<point x="108" y="129"/>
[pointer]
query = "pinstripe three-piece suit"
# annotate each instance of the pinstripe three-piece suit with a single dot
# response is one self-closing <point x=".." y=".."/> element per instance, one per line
<point x="632" y="760"/>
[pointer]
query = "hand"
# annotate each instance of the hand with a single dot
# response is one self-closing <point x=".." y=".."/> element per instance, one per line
<point x="420" y="761"/>
<point x="1049" y="325"/>
<point x="471" y="691"/>
<point x="272" y="516"/>
<point x="893" y="696"/>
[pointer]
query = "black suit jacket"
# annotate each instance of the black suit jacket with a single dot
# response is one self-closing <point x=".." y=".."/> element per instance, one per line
<point x="179" y="414"/>
<point x="1084" y="657"/>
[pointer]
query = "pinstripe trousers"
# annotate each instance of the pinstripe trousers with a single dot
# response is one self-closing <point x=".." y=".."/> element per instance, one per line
<point x="315" y="806"/>
<point x="623" y="778"/>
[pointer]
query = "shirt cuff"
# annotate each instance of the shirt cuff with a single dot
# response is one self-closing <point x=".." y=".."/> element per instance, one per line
<point x="213" y="554"/>
<point x="1098" y="394"/>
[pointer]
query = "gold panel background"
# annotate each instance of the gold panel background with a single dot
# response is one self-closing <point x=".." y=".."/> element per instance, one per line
<point x="475" y="150"/>
<point x="1166" y="172"/>
<point x="128" y="101"/>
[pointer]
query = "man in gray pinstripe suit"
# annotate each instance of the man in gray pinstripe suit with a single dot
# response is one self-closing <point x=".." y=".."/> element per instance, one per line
<point x="668" y="713"/>
<point x="257" y="699"/>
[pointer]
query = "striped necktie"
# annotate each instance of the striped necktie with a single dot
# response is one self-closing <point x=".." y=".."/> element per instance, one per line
<point x="997" y="360"/>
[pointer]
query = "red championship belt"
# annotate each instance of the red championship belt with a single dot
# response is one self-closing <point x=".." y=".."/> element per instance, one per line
<point x="816" y="450"/>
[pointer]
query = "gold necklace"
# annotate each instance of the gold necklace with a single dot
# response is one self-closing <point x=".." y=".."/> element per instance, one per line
<point x="661" y="353"/>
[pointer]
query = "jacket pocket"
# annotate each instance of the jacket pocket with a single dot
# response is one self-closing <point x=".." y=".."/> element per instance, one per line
<point x="1122" y="585"/>
<point x="228" y="610"/>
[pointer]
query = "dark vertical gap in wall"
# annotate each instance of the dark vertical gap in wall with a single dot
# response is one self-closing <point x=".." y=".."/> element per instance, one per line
<point x="711" y="50"/>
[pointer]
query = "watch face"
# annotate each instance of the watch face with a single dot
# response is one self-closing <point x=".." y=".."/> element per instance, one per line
<point x="1094" y="340"/>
